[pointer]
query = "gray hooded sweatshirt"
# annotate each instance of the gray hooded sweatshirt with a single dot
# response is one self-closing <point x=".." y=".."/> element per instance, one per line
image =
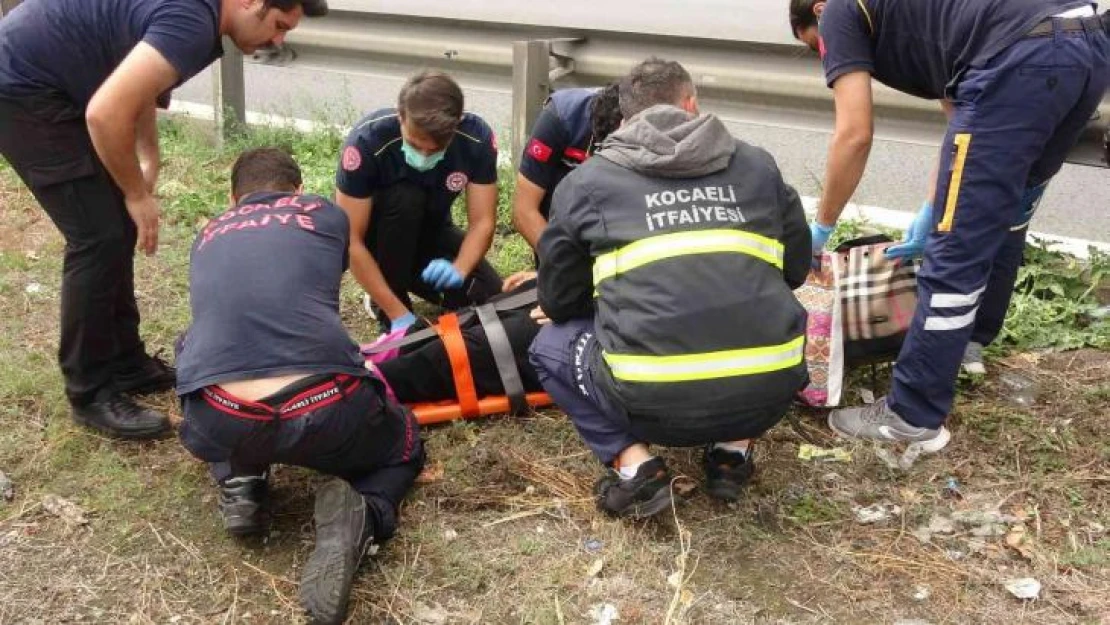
<point x="683" y="244"/>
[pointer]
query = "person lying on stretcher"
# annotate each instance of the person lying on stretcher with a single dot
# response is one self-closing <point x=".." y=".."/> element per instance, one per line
<point x="421" y="371"/>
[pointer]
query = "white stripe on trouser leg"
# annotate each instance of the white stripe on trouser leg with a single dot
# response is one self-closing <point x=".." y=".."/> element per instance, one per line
<point x="955" y="300"/>
<point x="951" y="323"/>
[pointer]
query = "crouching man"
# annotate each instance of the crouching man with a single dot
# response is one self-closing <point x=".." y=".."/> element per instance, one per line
<point x="268" y="374"/>
<point x="668" y="266"/>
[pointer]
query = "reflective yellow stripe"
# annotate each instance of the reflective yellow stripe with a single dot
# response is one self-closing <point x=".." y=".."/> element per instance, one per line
<point x="655" y="248"/>
<point x="707" y="366"/>
<point x="962" y="141"/>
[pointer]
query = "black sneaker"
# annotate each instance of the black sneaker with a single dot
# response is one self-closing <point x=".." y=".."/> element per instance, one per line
<point x="727" y="472"/>
<point x="343" y="530"/>
<point x="152" y="375"/>
<point x="646" y="494"/>
<point x="118" y="416"/>
<point x="243" y="505"/>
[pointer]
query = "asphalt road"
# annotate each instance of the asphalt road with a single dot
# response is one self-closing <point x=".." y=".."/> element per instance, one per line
<point x="1077" y="203"/>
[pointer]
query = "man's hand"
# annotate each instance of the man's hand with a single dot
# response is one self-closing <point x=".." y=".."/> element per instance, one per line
<point x="145" y="212"/>
<point x="517" y="279"/>
<point x="913" y="243"/>
<point x="401" y="323"/>
<point x="539" y="316"/>
<point x="442" y="275"/>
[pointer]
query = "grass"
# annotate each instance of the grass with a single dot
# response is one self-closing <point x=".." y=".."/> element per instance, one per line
<point x="504" y="531"/>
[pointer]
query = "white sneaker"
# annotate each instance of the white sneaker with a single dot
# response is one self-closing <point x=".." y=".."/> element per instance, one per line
<point x="973" y="359"/>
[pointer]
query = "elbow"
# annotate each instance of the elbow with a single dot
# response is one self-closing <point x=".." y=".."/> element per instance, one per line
<point x="856" y="139"/>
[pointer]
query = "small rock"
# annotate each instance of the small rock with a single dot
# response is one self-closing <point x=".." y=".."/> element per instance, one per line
<point x="1024" y="588"/>
<point x="7" y="489"/>
<point x="876" y="513"/>
<point x="429" y="615"/>
<point x="604" y="614"/>
<point x="33" y="288"/>
<point x="595" y="567"/>
<point x="593" y="545"/>
<point x="450" y="534"/>
<point x="64" y="509"/>
<point x="921" y="593"/>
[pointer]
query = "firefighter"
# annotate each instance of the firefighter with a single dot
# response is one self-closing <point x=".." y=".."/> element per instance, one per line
<point x="399" y="173"/>
<point x="667" y="270"/>
<point x="570" y="128"/>
<point x="79" y="85"/>
<point x="1019" y="80"/>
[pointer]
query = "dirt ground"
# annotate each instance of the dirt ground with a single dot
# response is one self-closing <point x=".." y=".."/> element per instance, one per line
<point x="502" y="528"/>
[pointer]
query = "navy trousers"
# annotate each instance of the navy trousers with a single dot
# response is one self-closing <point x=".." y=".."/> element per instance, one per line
<point x="1015" y="120"/>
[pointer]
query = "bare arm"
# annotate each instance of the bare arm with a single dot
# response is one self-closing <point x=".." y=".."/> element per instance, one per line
<point x="146" y="146"/>
<point x="113" y="117"/>
<point x="363" y="266"/>
<point x="850" y="145"/>
<point x="526" y="210"/>
<point x="481" y="217"/>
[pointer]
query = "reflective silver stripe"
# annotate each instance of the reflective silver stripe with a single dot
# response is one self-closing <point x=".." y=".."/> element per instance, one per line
<point x="951" y="323"/>
<point x="955" y="300"/>
<point x="651" y="249"/>
<point x="706" y="366"/>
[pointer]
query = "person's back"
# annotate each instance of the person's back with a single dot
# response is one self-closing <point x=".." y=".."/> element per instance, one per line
<point x="667" y="269"/>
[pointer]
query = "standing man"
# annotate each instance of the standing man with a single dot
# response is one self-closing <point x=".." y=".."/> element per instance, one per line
<point x="667" y="272"/>
<point x="79" y="84"/>
<point x="571" y="126"/>
<point x="399" y="173"/>
<point x="268" y="374"/>
<point x="1019" y="80"/>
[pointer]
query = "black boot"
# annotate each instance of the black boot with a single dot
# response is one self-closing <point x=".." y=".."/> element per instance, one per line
<point x="646" y="494"/>
<point x="243" y="504"/>
<point x="343" y="531"/>
<point x="118" y="416"/>
<point x="150" y="375"/>
<point x="727" y="472"/>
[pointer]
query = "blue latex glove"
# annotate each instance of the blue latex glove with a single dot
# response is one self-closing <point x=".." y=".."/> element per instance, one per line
<point x="819" y="237"/>
<point x="402" y="323"/>
<point x="442" y="275"/>
<point x="913" y="243"/>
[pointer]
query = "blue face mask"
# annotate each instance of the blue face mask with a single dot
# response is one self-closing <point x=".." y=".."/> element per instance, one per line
<point x="419" y="161"/>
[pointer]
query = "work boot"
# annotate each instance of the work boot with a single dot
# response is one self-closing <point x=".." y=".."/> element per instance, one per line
<point x="642" y="496"/>
<point x="878" y="422"/>
<point x="343" y="530"/>
<point x="151" y="375"/>
<point x="118" y="416"/>
<point x="727" y="471"/>
<point x="973" y="359"/>
<point x="243" y="504"/>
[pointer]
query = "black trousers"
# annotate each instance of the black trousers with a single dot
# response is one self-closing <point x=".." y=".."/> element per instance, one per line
<point x="47" y="144"/>
<point x="335" y="424"/>
<point x="405" y="234"/>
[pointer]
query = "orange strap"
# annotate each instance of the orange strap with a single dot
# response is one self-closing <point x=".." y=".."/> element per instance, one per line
<point x="442" y="412"/>
<point x="448" y="329"/>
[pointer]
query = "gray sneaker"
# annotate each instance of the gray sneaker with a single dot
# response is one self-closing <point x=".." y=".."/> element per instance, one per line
<point x="878" y="422"/>
<point x="343" y="530"/>
<point x="973" y="359"/>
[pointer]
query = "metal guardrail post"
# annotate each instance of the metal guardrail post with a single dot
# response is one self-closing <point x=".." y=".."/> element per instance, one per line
<point x="230" y="92"/>
<point x="6" y="6"/>
<point x="531" y="86"/>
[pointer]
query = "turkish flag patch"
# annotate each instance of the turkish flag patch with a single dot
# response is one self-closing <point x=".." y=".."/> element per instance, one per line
<point x="539" y="150"/>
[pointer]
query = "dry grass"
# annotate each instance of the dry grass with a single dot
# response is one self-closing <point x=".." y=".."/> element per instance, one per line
<point x="504" y="530"/>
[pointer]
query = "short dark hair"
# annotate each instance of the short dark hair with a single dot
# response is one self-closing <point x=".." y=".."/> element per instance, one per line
<point x="802" y="15"/>
<point x="654" y="81"/>
<point x="312" y="8"/>
<point x="605" y="112"/>
<point x="264" y="169"/>
<point x="433" y="102"/>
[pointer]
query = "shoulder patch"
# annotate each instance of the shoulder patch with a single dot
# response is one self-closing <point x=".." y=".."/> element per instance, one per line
<point x="539" y="150"/>
<point x="352" y="158"/>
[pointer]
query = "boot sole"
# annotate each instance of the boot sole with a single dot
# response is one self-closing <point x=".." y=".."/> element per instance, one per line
<point x="165" y="430"/>
<point x="329" y="573"/>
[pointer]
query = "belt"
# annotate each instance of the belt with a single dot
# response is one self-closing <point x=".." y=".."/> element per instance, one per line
<point x="310" y="399"/>
<point x="1093" y="23"/>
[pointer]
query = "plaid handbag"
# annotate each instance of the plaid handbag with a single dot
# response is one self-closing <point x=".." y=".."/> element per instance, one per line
<point x="877" y="299"/>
